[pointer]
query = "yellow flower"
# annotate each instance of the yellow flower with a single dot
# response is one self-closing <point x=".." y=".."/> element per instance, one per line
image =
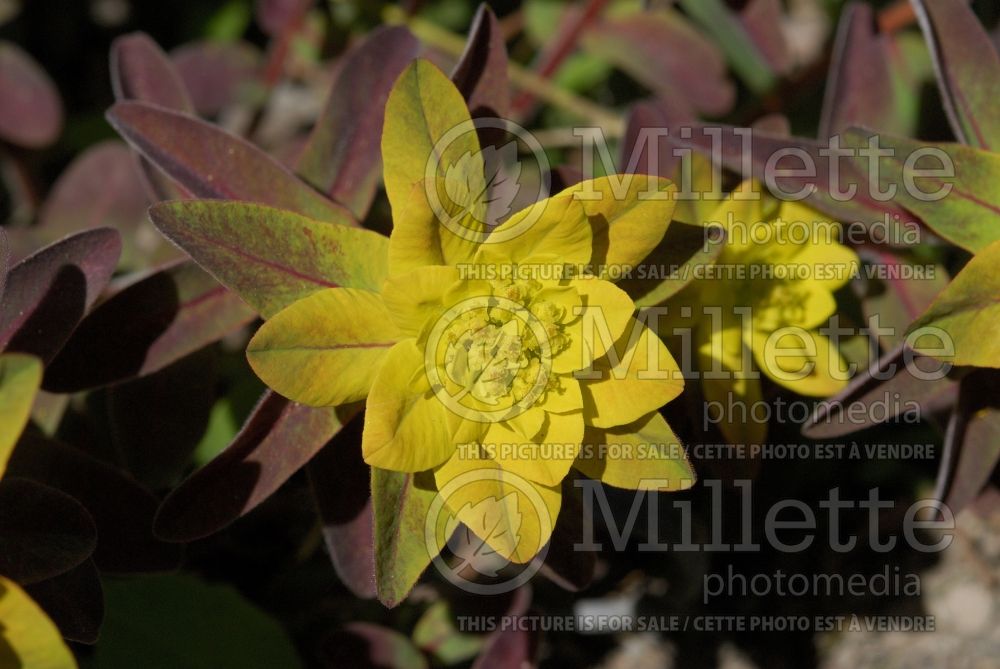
<point x="765" y="299"/>
<point x="491" y="352"/>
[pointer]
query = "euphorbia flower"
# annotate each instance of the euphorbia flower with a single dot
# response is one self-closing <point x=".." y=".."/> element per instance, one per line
<point x="766" y="298"/>
<point x="490" y="351"/>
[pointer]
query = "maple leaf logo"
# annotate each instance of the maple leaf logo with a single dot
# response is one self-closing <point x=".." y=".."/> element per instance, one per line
<point x="485" y="184"/>
<point x="499" y="523"/>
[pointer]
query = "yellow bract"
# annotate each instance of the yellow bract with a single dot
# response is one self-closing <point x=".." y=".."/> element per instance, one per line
<point x="498" y="360"/>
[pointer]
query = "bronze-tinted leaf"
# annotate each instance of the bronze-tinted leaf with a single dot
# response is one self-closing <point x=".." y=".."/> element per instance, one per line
<point x="212" y="163"/>
<point x="972" y="441"/>
<point x="481" y="72"/>
<point x="49" y="292"/>
<point x="146" y="326"/>
<point x="341" y="157"/>
<point x="140" y="70"/>
<point x="216" y="74"/>
<point x="370" y="646"/>
<point x="31" y="114"/>
<point x="121" y="508"/>
<point x="43" y="532"/>
<point x="75" y="602"/>
<point x="339" y="479"/>
<point x="276" y="441"/>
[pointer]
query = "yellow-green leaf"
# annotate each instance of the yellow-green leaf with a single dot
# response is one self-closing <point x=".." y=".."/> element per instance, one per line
<point x="324" y="350"/>
<point x="20" y="378"/>
<point x="29" y="637"/>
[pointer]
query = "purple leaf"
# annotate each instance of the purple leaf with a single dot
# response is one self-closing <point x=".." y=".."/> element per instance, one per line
<point x="216" y="74"/>
<point x="342" y="155"/>
<point x="275" y="442"/>
<point x="481" y="72"/>
<point x="121" y="508"/>
<point x="967" y="67"/>
<point x="43" y="532"/>
<point x="339" y="479"/>
<point x="74" y="601"/>
<point x="141" y="71"/>
<point x="49" y="292"/>
<point x="31" y="112"/>
<point x="146" y="326"/>
<point x="368" y="645"/>
<point x="273" y="16"/>
<point x="860" y="87"/>
<point x="887" y="383"/>
<point x="761" y="20"/>
<point x="211" y="163"/>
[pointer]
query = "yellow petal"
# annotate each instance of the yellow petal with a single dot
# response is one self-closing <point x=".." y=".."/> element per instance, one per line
<point x="406" y="427"/>
<point x="547" y="459"/>
<point x="325" y="349"/>
<point x="638" y="376"/>
<point x="730" y="385"/>
<point x="802" y="304"/>
<point x="628" y="216"/>
<point x="644" y="455"/>
<point x="605" y="314"/>
<point x="801" y="360"/>
<point x="555" y="226"/>
<point x="20" y="378"/>
<point x="513" y="515"/>
<point x="416" y="296"/>
<point x="564" y="397"/>
<point x="28" y="638"/>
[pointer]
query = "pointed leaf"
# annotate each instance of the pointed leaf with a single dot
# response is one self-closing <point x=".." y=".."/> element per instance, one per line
<point x="369" y="645"/>
<point x="20" y="377"/>
<point x="342" y="156"/>
<point x="31" y="114"/>
<point x="43" y="532"/>
<point x="145" y="327"/>
<point x="481" y="72"/>
<point x="140" y="70"/>
<point x="211" y="163"/>
<point x="968" y="69"/>
<point x="216" y="74"/>
<point x="269" y="257"/>
<point x="400" y="509"/>
<point x="49" y="292"/>
<point x="968" y="310"/>
<point x="121" y="508"/>
<point x="28" y="634"/>
<point x="276" y="441"/>
<point x="340" y="479"/>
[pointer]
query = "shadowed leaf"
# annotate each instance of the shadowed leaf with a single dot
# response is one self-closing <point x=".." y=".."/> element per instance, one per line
<point x="887" y="383"/>
<point x="146" y="326"/>
<point x="370" y="646"/>
<point x="31" y="114"/>
<point x="400" y="509"/>
<point x="270" y="257"/>
<point x="569" y="569"/>
<point x="339" y="479"/>
<point x="20" y="377"/>
<point x="662" y="51"/>
<point x="121" y="508"/>
<point x="211" y="163"/>
<point x="436" y="633"/>
<point x="481" y="72"/>
<point x="341" y="157"/>
<point x="216" y="74"/>
<point x="278" y="438"/>
<point x="43" y="532"/>
<point x="140" y="70"/>
<point x="75" y="602"/>
<point x="968" y="69"/>
<point x="49" y="292"/>
<point x="28" y="638"/>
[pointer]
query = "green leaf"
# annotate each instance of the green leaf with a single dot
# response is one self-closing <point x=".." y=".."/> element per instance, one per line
<point x="967" y="214"/>
<point x="436" y="634"/>
<point x="969" y="311"/>
<point x="423" y="106"/>
<point x="400" y="508"/>
<point x="968" y="69"/>
<point x="182" y="622"/>
<point x="27" y="637"/>
<point x="270" y="257"/>
<point x="20" y="378"/>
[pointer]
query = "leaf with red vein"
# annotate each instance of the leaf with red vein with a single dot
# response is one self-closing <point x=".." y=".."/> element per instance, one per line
<point x="271" y="257"/>
<point x="146" y="326"/>
<point x="212" y="163"/>
<point x="276" y="441"/>
<point x="49" y="292"/>
<point x="31" y="113"/>
<point x="342" y="157"/>
<point x="968" y="69"/>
